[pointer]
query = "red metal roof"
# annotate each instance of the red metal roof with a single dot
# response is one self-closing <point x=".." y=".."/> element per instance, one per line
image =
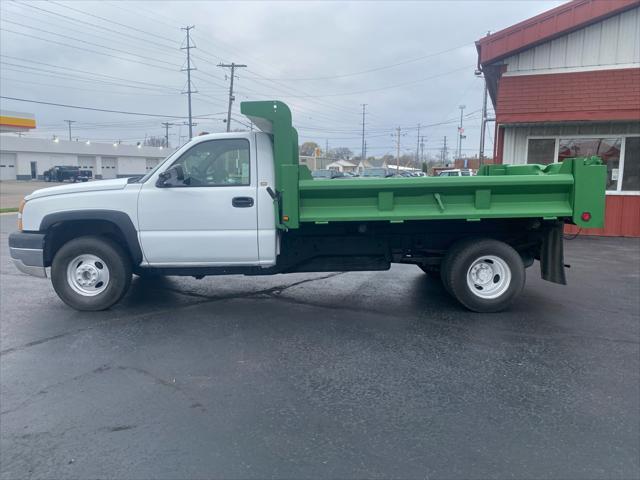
<point x="546" y="26"/>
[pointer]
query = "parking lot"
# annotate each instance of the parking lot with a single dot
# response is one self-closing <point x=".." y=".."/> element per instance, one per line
<point x="355" y="375"/>
<point x="13" y="191"/>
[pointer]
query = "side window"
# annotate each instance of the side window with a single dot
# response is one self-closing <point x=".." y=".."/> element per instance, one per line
<point x="216" y="163"/>
<point x="541" y="150"/>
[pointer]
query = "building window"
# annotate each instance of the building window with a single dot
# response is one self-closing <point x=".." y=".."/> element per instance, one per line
<point x="631" y="173"/>
<point x="541" y="150"/>
<point x="608" y="149"/>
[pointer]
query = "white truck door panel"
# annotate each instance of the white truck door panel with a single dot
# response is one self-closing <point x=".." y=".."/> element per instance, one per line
<point x="198" y="224"/>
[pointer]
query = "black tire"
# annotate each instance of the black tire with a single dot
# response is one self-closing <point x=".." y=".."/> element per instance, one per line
<point x="464" y="256"/>
<point x="452" y="252"/>
<point x="114" y="258"/>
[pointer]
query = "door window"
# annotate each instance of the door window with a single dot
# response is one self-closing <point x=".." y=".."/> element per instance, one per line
<point x="631" y="174"/>
<point x="608" y="149"/>
<point x="216" y="163"/>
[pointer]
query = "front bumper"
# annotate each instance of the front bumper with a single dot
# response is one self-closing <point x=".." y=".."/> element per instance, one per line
<point x="27" y="253"/>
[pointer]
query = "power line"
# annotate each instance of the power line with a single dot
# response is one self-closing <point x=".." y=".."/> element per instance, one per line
<point x="65" y="68"/>
<point x="375" y="69"/>
<point x="85" y="23"/>
<point x="85" y="49"/>
<point x="93" y="108"/>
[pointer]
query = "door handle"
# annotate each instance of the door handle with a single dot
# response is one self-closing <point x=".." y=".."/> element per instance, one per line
<point x="242" y="202"/>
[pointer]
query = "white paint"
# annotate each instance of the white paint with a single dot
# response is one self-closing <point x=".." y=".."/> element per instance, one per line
<point x="610" y="43"/>
<point x="109" y="167"/>
<point x="550" y="71"/>
<point x="8" y="163"/>
<point x="199" y="225"/>
<point x="182" y="226"/>
<point x="83" y="187"/>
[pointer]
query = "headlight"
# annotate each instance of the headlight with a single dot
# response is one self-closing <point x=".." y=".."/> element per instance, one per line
<point x="20" y="209"/>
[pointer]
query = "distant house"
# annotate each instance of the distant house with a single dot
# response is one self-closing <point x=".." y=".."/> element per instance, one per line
<point x="372" y="163"/>
<point x="342" y="166"/>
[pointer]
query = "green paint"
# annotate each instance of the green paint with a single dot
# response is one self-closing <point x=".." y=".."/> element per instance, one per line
<point x="385" y="201"/>
<point x="483" y="199"/>
<point x="559" y="190"/>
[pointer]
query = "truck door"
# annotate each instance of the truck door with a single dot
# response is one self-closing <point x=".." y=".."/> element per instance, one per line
<point x="211" y="217"/>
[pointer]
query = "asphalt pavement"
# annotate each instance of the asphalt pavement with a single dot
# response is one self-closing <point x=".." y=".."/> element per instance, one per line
<point x="354" y="375"/>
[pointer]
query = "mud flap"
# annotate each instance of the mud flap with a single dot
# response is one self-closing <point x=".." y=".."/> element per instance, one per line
<point x="552" y="255"/>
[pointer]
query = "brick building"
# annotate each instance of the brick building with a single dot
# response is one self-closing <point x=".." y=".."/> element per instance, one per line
<point x="567" y="83"/>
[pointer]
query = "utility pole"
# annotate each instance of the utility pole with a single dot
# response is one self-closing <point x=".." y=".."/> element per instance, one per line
<point x="398" y="150"/>
<point x="233" y="67"/>
<point x="166" y="126"/>
<point x="444" y="152"/>
<point x="69" y="122"/>
<point x="362" y="156"/>
<point x="421" y="150"/>
<point x="189" y="91"/>
<point x="418" y="147"/>
<point x="460" y="132"/>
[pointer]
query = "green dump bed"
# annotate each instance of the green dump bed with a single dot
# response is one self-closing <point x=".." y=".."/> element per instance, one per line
<point x="574" y="189"/>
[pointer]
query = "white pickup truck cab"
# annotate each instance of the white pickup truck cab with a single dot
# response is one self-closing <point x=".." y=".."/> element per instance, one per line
<point x="97" y="232"/>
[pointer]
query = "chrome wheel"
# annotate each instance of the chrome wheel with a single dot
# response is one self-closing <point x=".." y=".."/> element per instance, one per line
<point x="489" y="277"/>
<point x="88" y="275"/>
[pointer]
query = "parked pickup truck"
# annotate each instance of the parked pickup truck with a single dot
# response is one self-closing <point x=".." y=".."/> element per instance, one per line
<point x="60" y="173"/>
<point x="240" y="203"/>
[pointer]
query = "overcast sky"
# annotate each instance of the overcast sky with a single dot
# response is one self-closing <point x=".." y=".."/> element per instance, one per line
<point x="410" y="62"/>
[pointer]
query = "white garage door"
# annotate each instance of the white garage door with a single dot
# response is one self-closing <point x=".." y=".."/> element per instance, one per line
<point x="109" y="169"/>
<point x="7" y="166"/>
<point x="151" y="163"/>
<point x="87" y="163"/>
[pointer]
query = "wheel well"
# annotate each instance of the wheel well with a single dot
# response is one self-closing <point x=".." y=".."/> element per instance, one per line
<point x="60" y="233"/>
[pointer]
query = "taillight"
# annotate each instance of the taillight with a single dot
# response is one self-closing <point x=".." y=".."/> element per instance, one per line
<point x="586" y="216"/>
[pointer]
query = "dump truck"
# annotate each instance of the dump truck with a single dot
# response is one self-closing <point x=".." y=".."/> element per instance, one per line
<point x="241" y="203"/>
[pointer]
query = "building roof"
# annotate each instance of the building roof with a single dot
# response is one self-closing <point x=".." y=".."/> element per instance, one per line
<point x="13" y="143"/>
<point x="547" y="26"/>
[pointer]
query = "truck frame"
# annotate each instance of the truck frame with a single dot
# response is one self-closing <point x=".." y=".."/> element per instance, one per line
<point x="269" y="216"/>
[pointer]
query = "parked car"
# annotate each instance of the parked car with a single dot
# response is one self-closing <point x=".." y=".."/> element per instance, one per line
<point x="456" y="172"/>
<point x="377" y="172"/>
<point x="327" y="174"/>
<point x="61" y="173"/>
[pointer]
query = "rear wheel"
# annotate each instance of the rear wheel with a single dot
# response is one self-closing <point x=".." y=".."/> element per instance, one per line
<point x="91" y="273"/>
<point x="484" y="275"/>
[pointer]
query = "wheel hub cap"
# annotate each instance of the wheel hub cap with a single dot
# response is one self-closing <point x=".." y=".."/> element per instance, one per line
<point x="489" y="277"/>
<point x="88" y="275"/>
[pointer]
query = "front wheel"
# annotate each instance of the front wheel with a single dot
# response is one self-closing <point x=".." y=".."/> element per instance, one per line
<point x="484" y="275"/>
<point x="91" y="273"/>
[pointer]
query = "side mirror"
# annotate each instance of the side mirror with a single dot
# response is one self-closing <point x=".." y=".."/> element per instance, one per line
<point x="172" y="177"/>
